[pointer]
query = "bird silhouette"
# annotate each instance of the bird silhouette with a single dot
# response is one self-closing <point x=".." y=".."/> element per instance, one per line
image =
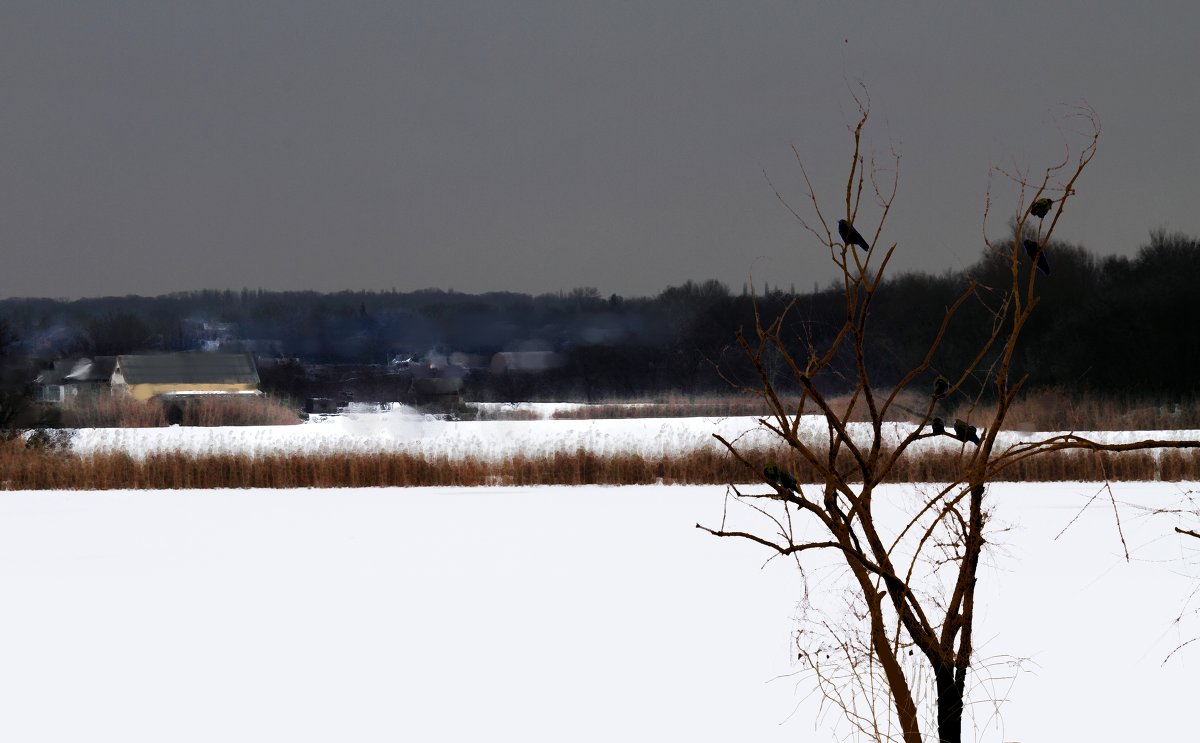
<point x="850" y="235"/>
<point x="963" y="431"/>
<point x="1041" y="207"/>
<point x="939" y="426"/>
<point x="940" y="386"/>
<point x="780" y="477"/>
<point x="1037" y="253"/>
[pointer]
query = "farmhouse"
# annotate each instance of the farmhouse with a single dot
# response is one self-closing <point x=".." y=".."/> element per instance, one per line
<point x="67" y="379"/>
<point x="145" y="376"/>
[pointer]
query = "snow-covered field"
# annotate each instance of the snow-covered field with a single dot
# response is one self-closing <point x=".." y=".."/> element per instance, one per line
<point x="532" y="614"/>
<point x="403" y="430"/>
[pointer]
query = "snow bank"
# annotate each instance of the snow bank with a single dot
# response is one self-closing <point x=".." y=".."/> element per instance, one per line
<point x="402" y="429"/>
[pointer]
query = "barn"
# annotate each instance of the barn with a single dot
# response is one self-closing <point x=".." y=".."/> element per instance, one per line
<point x="144" y="376"/>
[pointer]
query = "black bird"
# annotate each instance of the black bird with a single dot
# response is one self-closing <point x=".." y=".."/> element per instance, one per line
<point x="780" y="477"/>
<point x="850" y="235"/>
<point x="939" y="426"/>
<point x="1038" y="254"/>
<point x="965" y="432"/>
<point x="1041" y="207"/>
<point x="940" y="386"/>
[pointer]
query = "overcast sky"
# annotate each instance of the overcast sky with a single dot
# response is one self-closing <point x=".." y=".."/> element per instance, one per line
<point x="154" y="146"/>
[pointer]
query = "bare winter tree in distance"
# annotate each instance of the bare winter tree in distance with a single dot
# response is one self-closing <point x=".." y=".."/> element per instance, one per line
<point x="897" y="652"/>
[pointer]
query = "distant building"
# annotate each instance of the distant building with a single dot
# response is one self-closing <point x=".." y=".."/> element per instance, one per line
<point x="69" y="379"/>
<point x="207" y="335"/>
<point x="145" y="376"/>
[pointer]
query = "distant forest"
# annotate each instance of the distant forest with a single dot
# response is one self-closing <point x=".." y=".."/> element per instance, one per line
<point x="1115" y="326"/>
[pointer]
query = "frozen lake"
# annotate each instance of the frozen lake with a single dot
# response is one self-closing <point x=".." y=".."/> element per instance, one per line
<point x="533" y="614"/>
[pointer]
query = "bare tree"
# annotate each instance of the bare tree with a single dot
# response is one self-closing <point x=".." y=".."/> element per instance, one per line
<point x="897" y="660"/>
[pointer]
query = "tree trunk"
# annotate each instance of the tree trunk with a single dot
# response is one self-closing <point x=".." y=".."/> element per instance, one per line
<point x="949" y="706"/>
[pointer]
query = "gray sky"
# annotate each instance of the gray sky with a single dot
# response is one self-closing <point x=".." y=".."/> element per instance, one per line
<point x="152" y="146"/>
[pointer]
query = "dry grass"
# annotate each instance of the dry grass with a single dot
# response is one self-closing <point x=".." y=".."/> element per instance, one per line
<point x="1042" y="410"/>
<point x="25" y="469"/>
<point x="112" y="411"/>
<point x="1060" y="410"/>
<point x="116" y="411"/>
<point x="498" y="414"/>
<point x="238" y="410"/>
<point x="670" y="407"/>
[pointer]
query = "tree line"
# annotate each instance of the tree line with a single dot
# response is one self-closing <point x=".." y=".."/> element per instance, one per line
<point x="1118" y="326"/>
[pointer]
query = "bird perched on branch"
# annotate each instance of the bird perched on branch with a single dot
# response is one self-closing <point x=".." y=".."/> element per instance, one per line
<point x="939" y="426"/>
<point x="963" y="431"/>
<point x="1041" y="207"/>
<point x="781" y="477"/>
<point x="1038" y="254"/>
<point x="850" y="235"/>
<point x="940" y="386"/>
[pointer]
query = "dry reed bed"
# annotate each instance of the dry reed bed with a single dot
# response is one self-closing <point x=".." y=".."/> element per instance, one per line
<point x="23" y="469"/>
<point x="714" y="407"/>
<point x="1041" y="410"/>
<point x="116" y="411"/>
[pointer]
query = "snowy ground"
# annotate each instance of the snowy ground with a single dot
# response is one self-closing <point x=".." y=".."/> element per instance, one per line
<point x="538" y="614"/>
<point x="402" y="429"/>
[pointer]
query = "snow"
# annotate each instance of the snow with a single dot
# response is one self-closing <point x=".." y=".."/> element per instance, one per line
<point x="539" y="614"/>
<point x="401" y="429"/>
<point x="541" y="410"/>
<point x="534" y="614"/>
